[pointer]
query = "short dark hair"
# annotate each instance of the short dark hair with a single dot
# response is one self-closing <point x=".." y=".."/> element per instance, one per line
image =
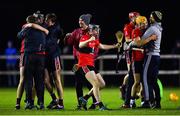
<point x="31" y="19"/>
<point x="52" y="17"/>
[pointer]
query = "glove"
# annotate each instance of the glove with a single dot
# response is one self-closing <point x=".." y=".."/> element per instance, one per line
<point x="129" y="46"/>
<point x="125" y="46"/>
<point x="132" y="44"/>
<point x="118" y="45"/>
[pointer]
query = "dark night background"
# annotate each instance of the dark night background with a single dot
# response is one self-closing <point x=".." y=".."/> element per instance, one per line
<point x="111" y="15"/>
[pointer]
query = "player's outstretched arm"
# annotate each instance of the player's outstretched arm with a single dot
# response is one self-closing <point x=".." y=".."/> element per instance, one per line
<point x="107" y="47"/>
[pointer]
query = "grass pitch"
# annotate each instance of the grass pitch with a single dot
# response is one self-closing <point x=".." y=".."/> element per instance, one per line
<point x="110" y="97"/>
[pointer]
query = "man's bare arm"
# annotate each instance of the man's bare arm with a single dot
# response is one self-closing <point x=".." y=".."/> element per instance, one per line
<point x="36" y="26"/>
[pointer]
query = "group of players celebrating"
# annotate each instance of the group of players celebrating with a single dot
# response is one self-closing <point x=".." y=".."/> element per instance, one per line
<point x="142" y="52"/>
<point x="40" y="60"/>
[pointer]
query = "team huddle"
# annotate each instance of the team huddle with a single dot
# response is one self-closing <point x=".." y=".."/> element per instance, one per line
<point x="40" y="61"/>
<point x="142" y="52"/>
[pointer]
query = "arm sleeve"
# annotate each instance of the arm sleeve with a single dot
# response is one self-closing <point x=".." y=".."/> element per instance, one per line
<point x="83" y="38"/>
<point x="21" y="34"/>
<point x="148" y="33"/>
<point x="127" y="31"/>
<point x="135" y="33"/>
<point x="59" y="31"/>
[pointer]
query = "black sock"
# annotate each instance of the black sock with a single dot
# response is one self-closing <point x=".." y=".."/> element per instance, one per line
<point x="32" y="102"/>
<point x="79" y="103"/>
<point x="123" y="86"/>
<point x="93" y="98"/>
<point x="100" y="104"/>
<point x="158" y="102"/>
<point x="133" y="98"/>
<point x="86" y="97"/>
<point x="142" y="99"/>
<point x="61" y="102"/>
<point x="53" y="96"/>
<point x="18" y="100"/>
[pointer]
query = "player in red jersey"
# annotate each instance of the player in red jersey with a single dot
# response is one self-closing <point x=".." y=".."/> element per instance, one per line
<point x="73" y="39"/>
<point x="128" y="78"/>
<point x="20" y="88"/>
<point x="88" y="43"/>
<point x="137" y="57"/>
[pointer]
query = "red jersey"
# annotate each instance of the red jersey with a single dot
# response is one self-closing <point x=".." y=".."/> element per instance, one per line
<point x="74" y="38"/>
<point x="86" y="54"/>
<point x="128" y="30"/>
<point x="137" y="55"/>
<point x="96" y="51"/>
<point x="22" y="46"/>
<point x="22" y="43"/>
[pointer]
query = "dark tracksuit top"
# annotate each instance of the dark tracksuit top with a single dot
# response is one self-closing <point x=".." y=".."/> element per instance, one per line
<point x="34" y="40"/>
<point x="80" y="79"/>
<point x="34" y="50"/>
<point x="55" y="32"/>
<point x="53" y="48"/>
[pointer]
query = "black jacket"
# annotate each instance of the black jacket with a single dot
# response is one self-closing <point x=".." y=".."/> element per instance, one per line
<point x="55" y="33"/>
<point x="35" y="40"/>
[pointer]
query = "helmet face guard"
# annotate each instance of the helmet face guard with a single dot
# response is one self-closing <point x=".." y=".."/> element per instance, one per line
<point x="94" y="29"/>
<point x="39" y="15"/>
<point x="133" y="15"/>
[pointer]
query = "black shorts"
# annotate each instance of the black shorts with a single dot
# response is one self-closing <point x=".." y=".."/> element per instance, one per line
<point x="53" y="63"/>
<point x="138" y="66"/>
<point x="85" y="69"/>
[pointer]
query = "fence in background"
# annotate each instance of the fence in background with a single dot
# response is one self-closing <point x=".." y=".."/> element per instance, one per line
<point x="102" y="61"/>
